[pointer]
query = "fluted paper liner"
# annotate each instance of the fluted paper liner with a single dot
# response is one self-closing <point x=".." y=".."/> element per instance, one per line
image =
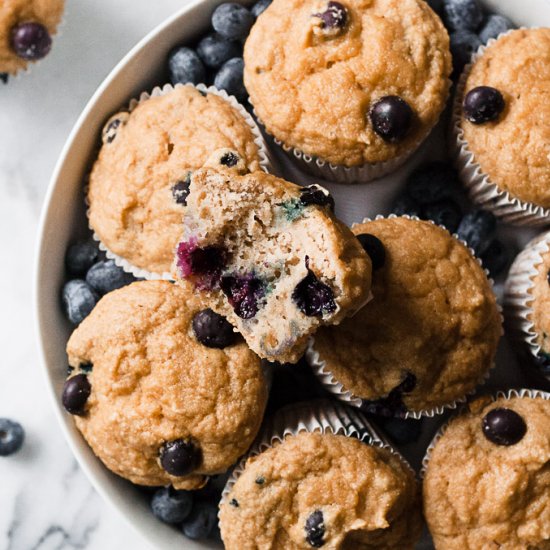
<point x="317" y="416"/>
<point x="263" y="153"/>
<point x="518" y="297"/>
<point x="337" y="389"/>
<point x="508" y="394"/>
<point x="482" y="190"/>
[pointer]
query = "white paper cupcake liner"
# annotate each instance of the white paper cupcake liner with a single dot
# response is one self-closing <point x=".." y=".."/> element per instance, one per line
<point x="263" y="152"/>
<point x="337" y="389"/>
<point x="518" y="297"/>
<point x="507" y="394"/>
<point x="317" y="416"/>
<point x="481" y="189"/>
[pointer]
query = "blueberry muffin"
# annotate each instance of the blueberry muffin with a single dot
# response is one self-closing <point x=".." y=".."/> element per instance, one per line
<point x="487" y="483"/>
<point x="430" y="333"/>
<point x="271" y="257"/>
<point x="163" y="391"/>
<point x="139" y="183"/>
<point x="26" y="30"/>
<point x="356" y="82"/>
<point x="504" y="112"/>
<point x="321" y="490"/>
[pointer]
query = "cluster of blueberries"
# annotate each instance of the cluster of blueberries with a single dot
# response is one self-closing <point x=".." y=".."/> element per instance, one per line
<point x="217" y="57"/>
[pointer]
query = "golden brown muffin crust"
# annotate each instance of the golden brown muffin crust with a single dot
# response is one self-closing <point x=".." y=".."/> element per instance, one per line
<point x="153" y="382"/>
<point x="314" y="93"/>
<point x="540" y="303"/>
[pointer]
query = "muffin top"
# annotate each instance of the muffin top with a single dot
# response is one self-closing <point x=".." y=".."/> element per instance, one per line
<point x="155" y="387"/>
<point x="314" y="71"/>
<point x="139" y="183"/>
<point x="429" y="334"/>
<point x="487" y="484"/>
<point x="328" y="491"/>
<point x="540" y="303"/>
<point x="514" y="149"/>
<point x="47" y="13"/>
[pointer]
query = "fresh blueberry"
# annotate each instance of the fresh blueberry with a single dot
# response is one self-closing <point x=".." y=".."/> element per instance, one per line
<point x="180" y="457"/>
<point x="75" y="394"/>
<point x="391" y="118"/>
<point x="31" y="41"/>
<point x="503" y="426"/>
<point x="313" y="194"/>
<point x="259" y="7"/>
<point x="496" y="257"/>
<point x="185" y="66"/>
<point x="4" y="77"/>
<point x="483" y="104"/>
<point x="433" y="182"/>
<point x="215" y="50"/>
<point x="315" y="529"/>
<point x="312" y="297"/>
<point x="230" y="78"/>
<point x="232" y="21"/>
<point x="106" y="276"/>
<point x="180" y="190"/>
<point x="171" y="506"/>
<point x="335" y="16"/>
<point x="229" y="159"/>
<point x="374" y="248"/>
<point x="446" y="213"/>
<point x="201" y="522"/>
<point x="463" y="45"/>
<point x="244" y="293"/>
<point x="477" y="229"/>
<point x="462" y="14"/>
<point x="402" y="431"/>
<point x="405" y="205"/>
<point x="205" y="264"/>
<point x="79" y="298"/>
<point x="80" y="257"/>
<point x="494" y="26"/>
<point x="213" y="330"/>
<point x="12" y="436"/>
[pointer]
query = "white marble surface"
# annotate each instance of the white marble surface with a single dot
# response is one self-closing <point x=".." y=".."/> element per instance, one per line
<point x="45" y="501"/>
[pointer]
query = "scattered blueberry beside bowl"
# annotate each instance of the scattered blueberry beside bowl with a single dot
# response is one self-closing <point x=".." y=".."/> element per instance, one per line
<point x="12" y="436"/>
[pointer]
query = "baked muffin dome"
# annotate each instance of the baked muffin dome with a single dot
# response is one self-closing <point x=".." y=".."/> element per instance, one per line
<point x="322" y="490"/>
<point x="430" y="333"/>
<point x="155" y="388"/>
<point x="313" y="85"/>
<point x="487" y="482"/>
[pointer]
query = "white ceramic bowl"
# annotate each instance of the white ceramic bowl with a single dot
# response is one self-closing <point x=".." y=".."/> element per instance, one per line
<point x="63" y="219"/>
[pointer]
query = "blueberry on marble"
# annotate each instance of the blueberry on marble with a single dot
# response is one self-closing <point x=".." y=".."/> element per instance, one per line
<point x="31" y="41"/>
<point x="312" y="297"/>
<point x="201" y="522"/>
<point x="106" y="276"/>
<point x="496" y="257"/>
<point x="78" y="298"/>
<point x="259" y="7"/>
<point x="433" y="182"/>
<point x="4" y="77"/>
<point x="184" y="65"/>
<point x="12" y="436"/>
<point x="464" y="44"/>
<point x="462" y="14"/>
<point x="477" y="229"/>
<point x="391" y="117"/>
<point x="180" y="457"/>
<point x="503" y="426"/>
<point x="244" y="292"/>
<point x="313" y="194"/>
<point x="405" y="205"/>
<point x="483" y="104"/>
<point x="170" y="505"/>
<point x="494" y="26"/>
<point x="315" y="529"/>
<point x="80" y="257"/>
<point x="215" y="50"/>
<point x="374" y="248"/>
<point x="334" y="17"/>
<point x="230" y="78"/>
<point x="446" y="213"/>
<point x="75" y="394"/>
<point x="180" y="190"/>
<point x="402" y="431"/>
<point x="213" y="330"/>
<point x="203" y="263"/>
<point x="232" y="21"/>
